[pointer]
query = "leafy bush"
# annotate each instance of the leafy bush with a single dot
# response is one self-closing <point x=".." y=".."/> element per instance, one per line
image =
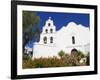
<point x="61" y="53"/>
<point x="71" y="60"/>
<point x="26" y="57"/>
<point x="81" y="54"/>
<point x="88" y="58"/>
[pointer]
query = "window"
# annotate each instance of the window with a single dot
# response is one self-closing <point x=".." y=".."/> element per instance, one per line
<point x="48" y="24"/>
<point x="51" y="39"/>
<point x="73" y="40"/>
<point x="51" y="30"/>
<point x="46" y="30"/>
<point x="45" y="40"/>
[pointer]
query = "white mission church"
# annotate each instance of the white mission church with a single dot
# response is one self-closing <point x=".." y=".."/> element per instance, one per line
<point x="67" y="38"/>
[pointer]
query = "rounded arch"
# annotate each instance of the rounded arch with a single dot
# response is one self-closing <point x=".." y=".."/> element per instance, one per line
<point x="51" y="39"/>
<point x="73" y="39"/>
<point x="51" y="30"/>
<point x="45" y="40"/>
<point x="49" y="24"/>
<point x="46" y="30"/>
<point x="74" y="52"/>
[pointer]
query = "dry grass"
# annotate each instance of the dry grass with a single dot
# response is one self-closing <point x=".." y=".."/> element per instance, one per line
<point x="64" y="61"/>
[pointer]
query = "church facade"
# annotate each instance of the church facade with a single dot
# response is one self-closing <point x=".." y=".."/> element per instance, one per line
<point x="67" y="38"/>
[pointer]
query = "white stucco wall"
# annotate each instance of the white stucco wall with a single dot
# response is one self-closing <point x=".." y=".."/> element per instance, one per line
<point x="63" y="41"/>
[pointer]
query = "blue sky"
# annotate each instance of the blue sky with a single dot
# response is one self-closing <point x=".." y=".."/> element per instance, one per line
<point x="62" y="19"/>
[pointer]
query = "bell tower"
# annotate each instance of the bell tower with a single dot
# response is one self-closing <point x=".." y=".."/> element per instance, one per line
<point x="47" y="36"/>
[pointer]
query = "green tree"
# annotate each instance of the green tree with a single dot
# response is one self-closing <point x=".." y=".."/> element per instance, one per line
<point x="61" y="53"/>
<point x="30" y="18"/>
<point x="30" y="26"/>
